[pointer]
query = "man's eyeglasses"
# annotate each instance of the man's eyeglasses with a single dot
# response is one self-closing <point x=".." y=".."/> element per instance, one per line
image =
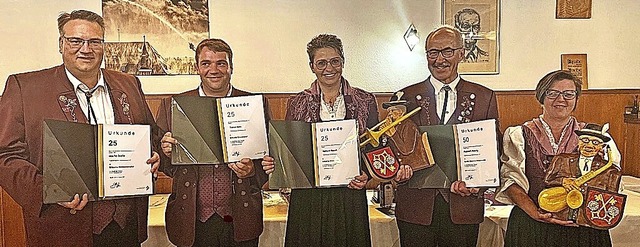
<point x="322" y="63"/>
<point x="76" y="43"/>
<point x="593" y="141"/>
<point x="567" y="94"/>
<point x="446" y="52"/>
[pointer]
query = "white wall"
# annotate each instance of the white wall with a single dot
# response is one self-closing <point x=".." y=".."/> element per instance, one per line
<point x="269" y="40"/>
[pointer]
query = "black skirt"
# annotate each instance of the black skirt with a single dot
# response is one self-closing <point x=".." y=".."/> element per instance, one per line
<point x="522" y="230"/>
<point x="328" y="217"/>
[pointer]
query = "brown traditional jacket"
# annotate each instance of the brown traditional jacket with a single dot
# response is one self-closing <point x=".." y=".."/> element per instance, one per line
<point x="408" y="145"/>
<point x="180" y="216"/>
<point x="474" y="103"/>
<point x="566" y="166"/>
<point x="28" y="99"/>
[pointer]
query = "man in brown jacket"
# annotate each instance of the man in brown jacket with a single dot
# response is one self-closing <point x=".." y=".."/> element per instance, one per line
<point x="212" y="205"/>
<point x="61" y="93"/>
<point x="443" y="217"/>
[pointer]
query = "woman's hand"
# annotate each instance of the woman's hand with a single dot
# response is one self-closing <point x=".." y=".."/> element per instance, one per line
<point x="358" y="182"/>
<point x="545" y="217"/>
<point x="523" y="201"/>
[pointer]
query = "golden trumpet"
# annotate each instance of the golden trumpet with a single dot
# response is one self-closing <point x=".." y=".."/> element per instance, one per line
<point x="558" y="198"/>
<point x="373" y="136"/>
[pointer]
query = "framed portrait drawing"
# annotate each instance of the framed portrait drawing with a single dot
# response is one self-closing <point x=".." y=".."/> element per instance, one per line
<point x="479" y="23"/>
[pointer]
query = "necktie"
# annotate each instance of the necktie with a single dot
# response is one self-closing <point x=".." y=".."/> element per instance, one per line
<point x="88" y="93"/>
<point x="586" y="165"/>
<point x="446" y="89"/>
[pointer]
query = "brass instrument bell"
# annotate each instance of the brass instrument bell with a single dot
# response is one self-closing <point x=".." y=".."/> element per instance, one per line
<point x="373" y="136"/>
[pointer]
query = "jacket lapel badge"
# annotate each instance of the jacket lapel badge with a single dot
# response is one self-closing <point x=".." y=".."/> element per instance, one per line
<point x="424" y="103"/>
<point x="68" y="103"/>
<point x="122" y="107"/>
<point x="466" y="108"/>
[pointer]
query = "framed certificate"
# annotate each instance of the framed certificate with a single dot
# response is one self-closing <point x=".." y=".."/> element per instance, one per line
<point x="310" y="155"/>
<point x="577" y="65"/>
<point x="103" y="161"/>
<point x="467" y="152"/>
<point x="218" y="130"/>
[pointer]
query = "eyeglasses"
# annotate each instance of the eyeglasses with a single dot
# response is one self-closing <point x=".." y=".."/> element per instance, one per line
<point x="593" y="141"/>
<point x="218" y="64"/>
<point x="446" y="52"/>
<point x="322" y="63"/>
<point x="76" y="43"/>
<point x="567" y="94"/>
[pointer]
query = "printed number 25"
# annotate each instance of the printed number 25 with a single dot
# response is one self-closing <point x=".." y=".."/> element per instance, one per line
<point x="113" y="143"/>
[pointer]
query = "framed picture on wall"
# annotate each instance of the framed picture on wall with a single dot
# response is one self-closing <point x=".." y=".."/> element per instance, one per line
<point x="479" y="23"/>
<point x="149" y="37"/>
<point x="573" y="9"/>
<point x="577" y="65"/>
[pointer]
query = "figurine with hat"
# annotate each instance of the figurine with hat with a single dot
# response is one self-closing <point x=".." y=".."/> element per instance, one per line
<point x="401" y="141"/>
<point x="583" y="186"/>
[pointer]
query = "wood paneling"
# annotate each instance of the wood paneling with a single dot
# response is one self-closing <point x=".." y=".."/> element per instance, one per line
<point x="631" y="146"/>
<point x="11" y="222"/>
<point x="515" y="107"/>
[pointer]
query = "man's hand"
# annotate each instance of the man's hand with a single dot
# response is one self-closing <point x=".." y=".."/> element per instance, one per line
<point x="154" y="161"/>
<point x="76" y="204"/>
<point x="243" y="169"/>
<point x="358" y="182"/>
<point x="405" y="172"/>
<point x="267" y="164"/>
<point x="460" y="188"/>
<point x="166" y="143"/>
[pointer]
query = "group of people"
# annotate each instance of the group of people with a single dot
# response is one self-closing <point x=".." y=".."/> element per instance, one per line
<point x="221" y="205"/>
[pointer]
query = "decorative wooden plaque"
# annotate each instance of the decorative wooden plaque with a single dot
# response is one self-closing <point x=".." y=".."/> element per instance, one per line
<point x="577" y="65"/>
<point x="573" y="9"/>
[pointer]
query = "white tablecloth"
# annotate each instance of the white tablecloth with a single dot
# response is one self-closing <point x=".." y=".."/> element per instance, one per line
<point x="384" y="231"/>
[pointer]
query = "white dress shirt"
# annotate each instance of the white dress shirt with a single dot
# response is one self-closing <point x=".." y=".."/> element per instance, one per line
<point x="100" y="100"/>
<point x="202" y="94"/>
<point x="336" y="112"/>
<point x="585" y="164"/>
<point x="451" y="101"/>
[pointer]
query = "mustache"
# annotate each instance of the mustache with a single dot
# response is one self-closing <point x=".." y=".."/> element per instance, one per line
<point x="441" y="64"/>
